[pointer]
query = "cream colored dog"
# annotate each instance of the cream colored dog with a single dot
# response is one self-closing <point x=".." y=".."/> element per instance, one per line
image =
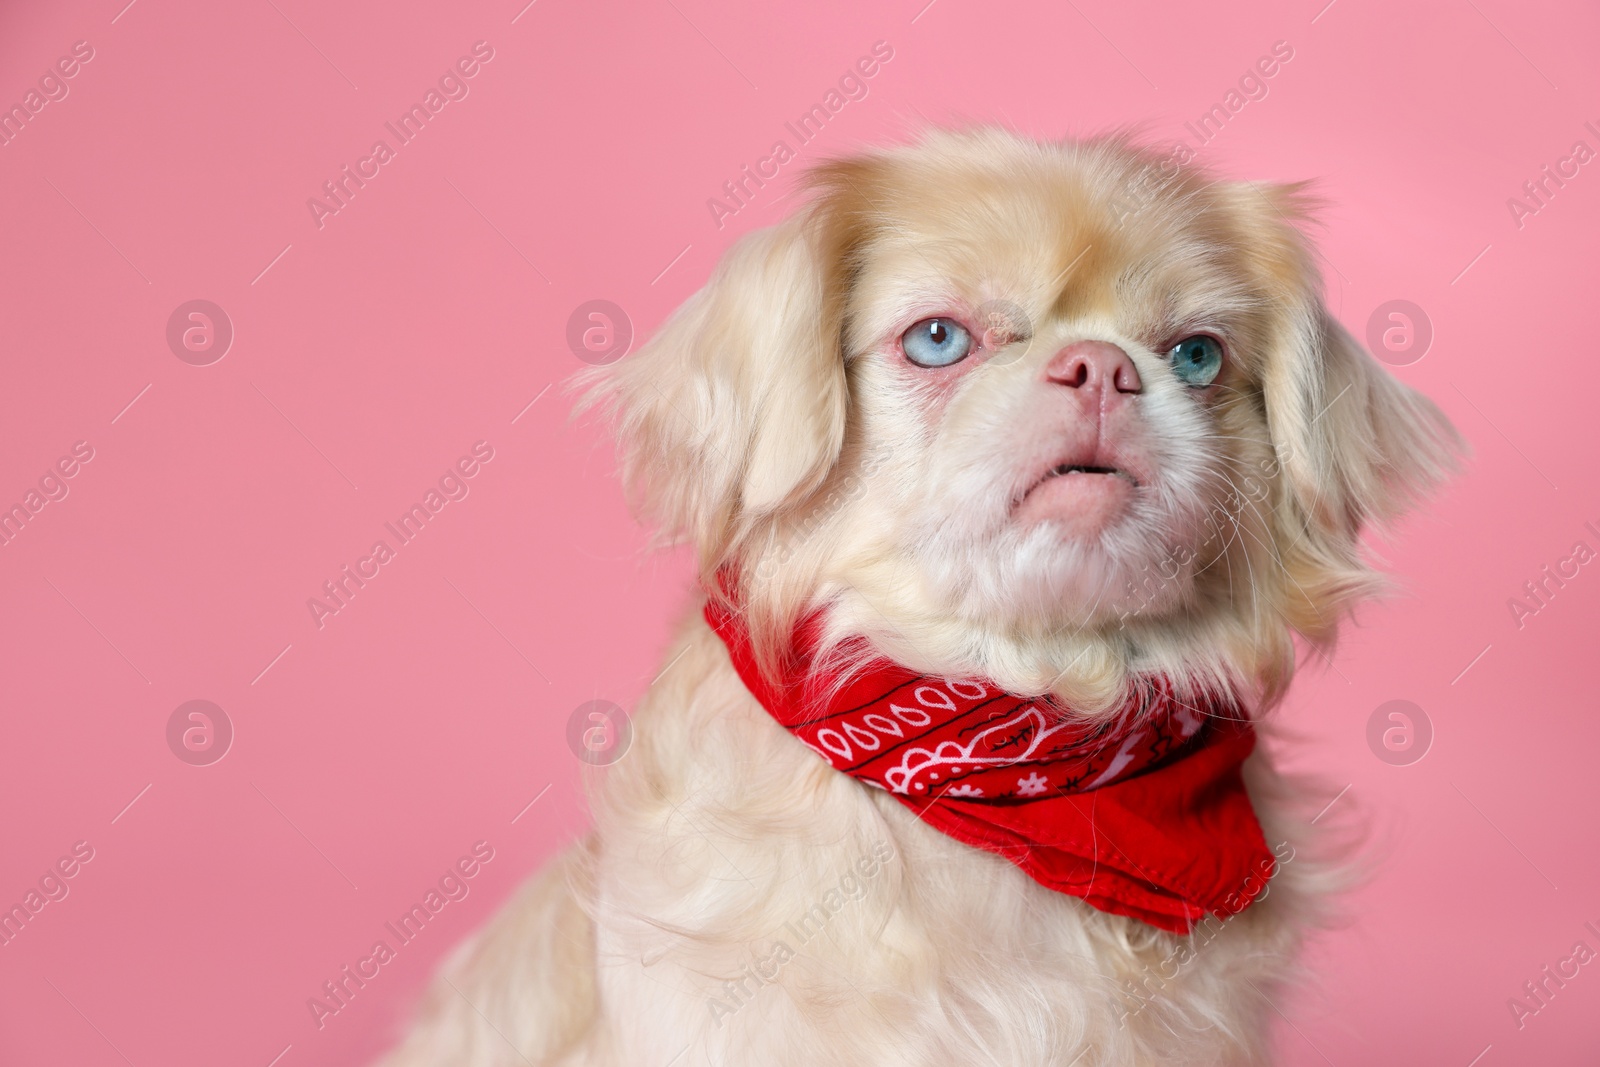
<point x="1051" y="415"/>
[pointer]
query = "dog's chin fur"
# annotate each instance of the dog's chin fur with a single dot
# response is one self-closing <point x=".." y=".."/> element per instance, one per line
<point x="776" y="424"/>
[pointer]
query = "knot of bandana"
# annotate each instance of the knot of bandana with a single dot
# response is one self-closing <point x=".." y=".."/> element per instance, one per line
<point x="1142" y="813"/>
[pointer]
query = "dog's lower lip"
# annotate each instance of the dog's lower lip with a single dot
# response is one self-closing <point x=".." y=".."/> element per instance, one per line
<point x="1081" y="499"/>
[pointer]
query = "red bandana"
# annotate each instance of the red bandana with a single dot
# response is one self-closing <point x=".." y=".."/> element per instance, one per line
<point x="1143" y="815"/>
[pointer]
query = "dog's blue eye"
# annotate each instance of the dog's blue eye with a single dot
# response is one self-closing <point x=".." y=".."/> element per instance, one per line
<point x="1196" y="360"/>
<point x="936" y="343"/>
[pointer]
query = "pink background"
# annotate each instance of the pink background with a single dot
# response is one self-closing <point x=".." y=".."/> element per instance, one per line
<point x="425" y="316"/>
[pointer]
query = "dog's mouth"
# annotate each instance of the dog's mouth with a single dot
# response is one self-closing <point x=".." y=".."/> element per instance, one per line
<point x="1062" y="469"/>
<point x="1081" y="498"/>
<point x="1074" y="471"/>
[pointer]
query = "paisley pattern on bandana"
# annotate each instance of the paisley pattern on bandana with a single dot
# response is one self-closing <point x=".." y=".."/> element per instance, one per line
<point x="1142" y="813"/>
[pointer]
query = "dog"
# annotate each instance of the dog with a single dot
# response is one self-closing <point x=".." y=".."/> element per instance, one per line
<point x="1060" y="430"/>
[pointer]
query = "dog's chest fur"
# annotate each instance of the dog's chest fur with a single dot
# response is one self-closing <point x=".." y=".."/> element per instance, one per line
<point x="752" y="905"/>
<point x="739" y="902"/>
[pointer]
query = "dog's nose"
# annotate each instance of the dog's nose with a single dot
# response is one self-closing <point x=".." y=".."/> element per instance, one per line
<point x="1094" y="365"/>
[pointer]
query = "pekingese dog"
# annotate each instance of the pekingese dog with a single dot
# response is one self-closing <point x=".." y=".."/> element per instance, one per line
<point x="1012" y="469"/>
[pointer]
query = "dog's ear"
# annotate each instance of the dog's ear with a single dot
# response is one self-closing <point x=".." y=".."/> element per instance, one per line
<point x="1354" y="446"/>
<point x="736" y="408"/>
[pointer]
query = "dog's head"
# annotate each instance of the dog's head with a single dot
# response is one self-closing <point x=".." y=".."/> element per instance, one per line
<point x="1048" y="413"/>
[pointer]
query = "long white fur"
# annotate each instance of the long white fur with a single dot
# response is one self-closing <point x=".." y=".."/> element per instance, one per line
<point x="771" y="424"/>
